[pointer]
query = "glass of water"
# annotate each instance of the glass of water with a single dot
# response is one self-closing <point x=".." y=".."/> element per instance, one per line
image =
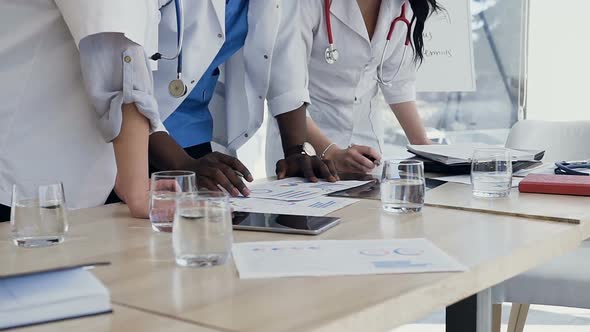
<point x="164" y="189"/>
<point x="491" y="172"/>
<point x="202" y="232"/>
<point x="39" y="217"/>
<point x="403" y="186"/>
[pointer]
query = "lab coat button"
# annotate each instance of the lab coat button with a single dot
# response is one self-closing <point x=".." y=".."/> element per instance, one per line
<point x="266" y="56"/>
<point x="127" y="59"/>
<point x="219" y="35"/>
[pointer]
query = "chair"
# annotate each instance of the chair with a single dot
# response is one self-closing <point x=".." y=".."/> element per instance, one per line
<point x="564" y="281"/>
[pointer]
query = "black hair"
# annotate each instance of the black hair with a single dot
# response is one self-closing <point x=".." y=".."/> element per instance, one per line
<point x="422" y="10"/>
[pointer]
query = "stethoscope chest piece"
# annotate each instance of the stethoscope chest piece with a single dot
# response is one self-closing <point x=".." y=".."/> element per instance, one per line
<point x="332" y="55"/>
<point x="177" y="88"/>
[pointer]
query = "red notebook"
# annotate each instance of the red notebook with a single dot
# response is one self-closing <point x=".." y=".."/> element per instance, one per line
<point x="556" y="184"/>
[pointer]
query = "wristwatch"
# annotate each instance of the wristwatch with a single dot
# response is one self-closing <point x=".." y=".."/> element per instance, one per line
<point x="304" y="149"/>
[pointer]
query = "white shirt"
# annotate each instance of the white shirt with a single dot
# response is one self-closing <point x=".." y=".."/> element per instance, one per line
<point x="246" y="80"/>
<point x="343" y="94"/>
<point x="49" y="129"/>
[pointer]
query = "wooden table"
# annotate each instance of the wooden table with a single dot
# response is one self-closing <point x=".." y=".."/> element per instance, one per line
<point x="557" y="208"/>
<point x="540" y="206"/>
<point x="143" y="276"/>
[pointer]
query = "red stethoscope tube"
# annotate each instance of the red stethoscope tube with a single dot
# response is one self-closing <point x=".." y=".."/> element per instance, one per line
<point x="329" y="22"/>
<point x="332" y="52"/>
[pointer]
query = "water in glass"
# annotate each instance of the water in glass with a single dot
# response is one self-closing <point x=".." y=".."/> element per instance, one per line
<point x="162" y="206"/>
<point x="403" y="186"/>
<point x="491" y="172"/>
<point x="202" y="233"/>
<point x="402" y="195"/>
<point x="40" y="221"/>
<point x="165" y="188"/>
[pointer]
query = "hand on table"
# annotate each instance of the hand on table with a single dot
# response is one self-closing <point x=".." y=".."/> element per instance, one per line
<point x="308" y="167"/>
<point x="219" y="169"/>
<point x="355" y="159"/>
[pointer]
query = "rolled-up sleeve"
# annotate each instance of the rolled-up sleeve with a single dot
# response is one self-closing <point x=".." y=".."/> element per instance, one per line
<point x="116" y="71"/>
<point x="288" y="89"/>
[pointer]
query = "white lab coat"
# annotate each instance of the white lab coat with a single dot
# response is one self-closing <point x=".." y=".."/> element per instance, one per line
<point x="342" y="95"/>
<point x="247" y="79"/>
<point x="48" y="128"/>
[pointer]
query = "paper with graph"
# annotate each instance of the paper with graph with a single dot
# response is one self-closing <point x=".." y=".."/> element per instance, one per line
<point x="316" y="207"/>
<point x="335" y="257"/>
<point x="299" y="189"/>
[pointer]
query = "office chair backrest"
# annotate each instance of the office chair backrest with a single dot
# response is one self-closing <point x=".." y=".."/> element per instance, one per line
<point x="560" y="140"/>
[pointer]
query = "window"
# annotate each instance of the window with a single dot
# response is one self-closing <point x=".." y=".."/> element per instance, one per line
<point x="485" y="115"/>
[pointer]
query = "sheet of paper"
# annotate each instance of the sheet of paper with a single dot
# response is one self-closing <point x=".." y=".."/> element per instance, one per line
<point x="317" y="207"/>
<point x="298" y="189"/>
<point x="333" y="258"/>
<point x="466" y="179"/>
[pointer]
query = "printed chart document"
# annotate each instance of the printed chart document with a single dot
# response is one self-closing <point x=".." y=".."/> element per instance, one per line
<point x="335" y="258"/>
<point x="316" y="207"/>
<point x="299" y="189"/>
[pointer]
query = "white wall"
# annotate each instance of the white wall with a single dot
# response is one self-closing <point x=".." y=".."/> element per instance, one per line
<point x="559" y="60"/>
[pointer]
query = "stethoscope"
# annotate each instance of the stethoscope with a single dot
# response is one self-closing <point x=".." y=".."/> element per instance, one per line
<point x="332" y="53"/>
<point x="176" y="88"/>
<point x="568" y="167"/>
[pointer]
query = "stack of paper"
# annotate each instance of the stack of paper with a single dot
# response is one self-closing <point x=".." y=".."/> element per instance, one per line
<point x="462" y="153"/>
<point x="50" y="296"/>
<point x="299" y="189"/>
<point x="317" y="207"/>
<point x="295" y="196"/>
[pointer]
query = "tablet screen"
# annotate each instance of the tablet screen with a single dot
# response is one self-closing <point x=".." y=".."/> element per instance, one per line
<point x="282" y="223"/>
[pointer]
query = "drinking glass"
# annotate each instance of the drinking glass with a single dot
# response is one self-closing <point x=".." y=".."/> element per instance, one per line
<point x="39" y="216"/>
<point x="403" y="186"/>
<point x="202" y="232"/>
<point x="164" y="189"/>
<point x="491" y="172"/>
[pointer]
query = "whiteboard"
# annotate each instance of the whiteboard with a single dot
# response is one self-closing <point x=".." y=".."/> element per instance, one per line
<point x="448" y="50"/>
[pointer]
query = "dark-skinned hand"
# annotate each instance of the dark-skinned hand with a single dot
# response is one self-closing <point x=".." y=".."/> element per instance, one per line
<point x="311" y="168"/>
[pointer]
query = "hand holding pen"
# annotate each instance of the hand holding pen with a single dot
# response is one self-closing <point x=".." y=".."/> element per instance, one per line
<point x="354" y="159"/>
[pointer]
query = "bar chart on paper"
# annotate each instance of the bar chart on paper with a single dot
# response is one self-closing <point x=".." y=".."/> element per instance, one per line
<point x="298" y="189"/>
<point x="341" y="257"/>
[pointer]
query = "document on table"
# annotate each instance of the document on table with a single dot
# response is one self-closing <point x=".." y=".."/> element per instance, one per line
<point x="462" y="153"/>
<point x="317" y="207"/>
<point x="335" y="258"/>
<point x="299" y="189"/>
<point x="466" y="179"/>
